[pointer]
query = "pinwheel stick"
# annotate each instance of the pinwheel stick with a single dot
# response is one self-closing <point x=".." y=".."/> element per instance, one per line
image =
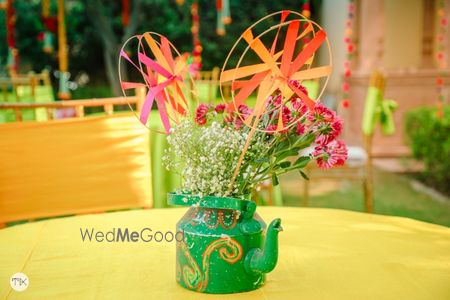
<point x="253" y="121"/>
<point x="241" y="158"/>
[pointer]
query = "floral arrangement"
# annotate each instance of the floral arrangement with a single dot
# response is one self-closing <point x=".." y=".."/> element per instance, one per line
<point x="206" y="150"/>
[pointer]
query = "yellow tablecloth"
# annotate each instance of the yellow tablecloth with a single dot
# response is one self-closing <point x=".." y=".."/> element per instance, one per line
<point x="324" y="254"/>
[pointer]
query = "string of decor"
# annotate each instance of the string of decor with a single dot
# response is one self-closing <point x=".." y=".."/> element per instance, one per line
<point x="441" y="57"/>
<point x="349" y="45"/>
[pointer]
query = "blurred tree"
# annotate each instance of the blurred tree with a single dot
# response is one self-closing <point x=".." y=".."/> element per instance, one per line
<point x="95" y="31"/>
<point x="104" y="17"/>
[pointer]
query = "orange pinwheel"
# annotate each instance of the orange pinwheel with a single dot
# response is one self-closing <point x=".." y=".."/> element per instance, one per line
<point x="277" y="70"/>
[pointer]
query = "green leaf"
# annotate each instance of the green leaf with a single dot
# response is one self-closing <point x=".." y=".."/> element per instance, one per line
<point x="302" y="161"/>
<point x="266" y="120"/>
<point x="281" y="146"/>
<point x="262" y="159"/>
<point x="303" y="175"/>
<point x="305" y="141"/>
<point x="275" y="181"/>
<point x="287" y="153"/>
<point x="285" y="164"/>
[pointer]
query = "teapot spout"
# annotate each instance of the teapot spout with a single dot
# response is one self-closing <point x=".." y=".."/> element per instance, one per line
<point x="264" y="260"/>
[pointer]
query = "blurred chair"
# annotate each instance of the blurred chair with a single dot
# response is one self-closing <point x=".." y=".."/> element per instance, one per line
<point x="74" y="166"/>
<point x="78" y="105"/>
<point x="359" y="163"/>
<point x="32" y="88"/>
<point x="207" y="85"/>
<point x="30" y="81"/>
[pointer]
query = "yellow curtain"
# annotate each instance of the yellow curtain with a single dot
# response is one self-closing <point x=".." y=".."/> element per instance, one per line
<point x="73" y="166"/>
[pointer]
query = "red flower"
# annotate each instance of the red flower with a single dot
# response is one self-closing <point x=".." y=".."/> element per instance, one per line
<point x="275" y="100"/>
<point x="200" y="114"/>
<point x="336" y="126"/>
<point x="220" y="108"/>
<point x="328" y="132"/>
<point x="300" y="129"/>
<point x="244" y="111"/>
<point x="286" y="115"/>
<point x="333" y="154"/>
<point x="324" y="139"/>
<point x="299" y="105"/>
<point x="322" y="113"/>
<point x="271" y="129"/>
<point x="228" y="119"/>
<point x="298" y="85"/>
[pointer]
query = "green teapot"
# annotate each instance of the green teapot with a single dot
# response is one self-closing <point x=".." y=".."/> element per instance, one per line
<point x="224" y="249"/>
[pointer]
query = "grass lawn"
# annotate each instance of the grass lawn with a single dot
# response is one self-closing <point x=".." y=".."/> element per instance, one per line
<point x="393" y="195"/>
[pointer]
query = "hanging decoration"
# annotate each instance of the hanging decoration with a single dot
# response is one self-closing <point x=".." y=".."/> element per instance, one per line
<point x="220" y="29"/>
<point x="50" y="24"/>
<point x="306" y="9"/>
<point x="306" y="12"/>
<point x="223" y="16"/>
<point x="441" y="57"/>
<point x="12" y="62"/>
<point x="226" y="16"/>
<point x="125" y="12"/>
<point x="348" y="40"/>
<point x="64" y="75"/>
<point x="196" y="64"/>
<point x="45" y="8"/>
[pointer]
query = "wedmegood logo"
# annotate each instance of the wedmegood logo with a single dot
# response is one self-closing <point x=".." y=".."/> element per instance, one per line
<point x="19" y="282"/>
<point x="116" y="235"/>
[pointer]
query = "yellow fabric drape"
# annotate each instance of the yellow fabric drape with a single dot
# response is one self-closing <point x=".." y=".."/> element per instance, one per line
<point x="323" y="254"/>
<point x="73" y="166"/>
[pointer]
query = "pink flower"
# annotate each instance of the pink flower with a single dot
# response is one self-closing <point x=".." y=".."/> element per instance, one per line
<point x="333" y="154"/>
<point x="328" y="132"/>
<point x="337" y="126"/>
<point x="286" y="115"/>
<point x="244" y="111"/>
<point x="298" y="85"/>
<point x="300" y="128"/>
<point x="275" y="100"/>
<point x="324" y="139"/>
<point x="299" y="105"/>
<point x="321" y="113"/>
<point x="220" y="108"/>
<point x="238" y="123"/>
<point x="200" y="114"/>
<point x="228" y="119"/>
<point x="271" y="129"/>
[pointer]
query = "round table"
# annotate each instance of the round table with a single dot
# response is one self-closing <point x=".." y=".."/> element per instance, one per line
<point x="324" y="254"/>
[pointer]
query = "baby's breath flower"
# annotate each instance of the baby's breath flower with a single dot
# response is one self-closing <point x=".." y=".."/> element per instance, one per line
<point x="205" y="156"/>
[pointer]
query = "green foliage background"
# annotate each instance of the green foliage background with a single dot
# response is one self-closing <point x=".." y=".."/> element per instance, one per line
<point x="429" y="137"/>
<point x="163" y="16"/>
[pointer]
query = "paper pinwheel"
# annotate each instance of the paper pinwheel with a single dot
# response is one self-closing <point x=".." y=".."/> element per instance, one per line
<point x="163" y="75"/>
<point x="275" y="69"/>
